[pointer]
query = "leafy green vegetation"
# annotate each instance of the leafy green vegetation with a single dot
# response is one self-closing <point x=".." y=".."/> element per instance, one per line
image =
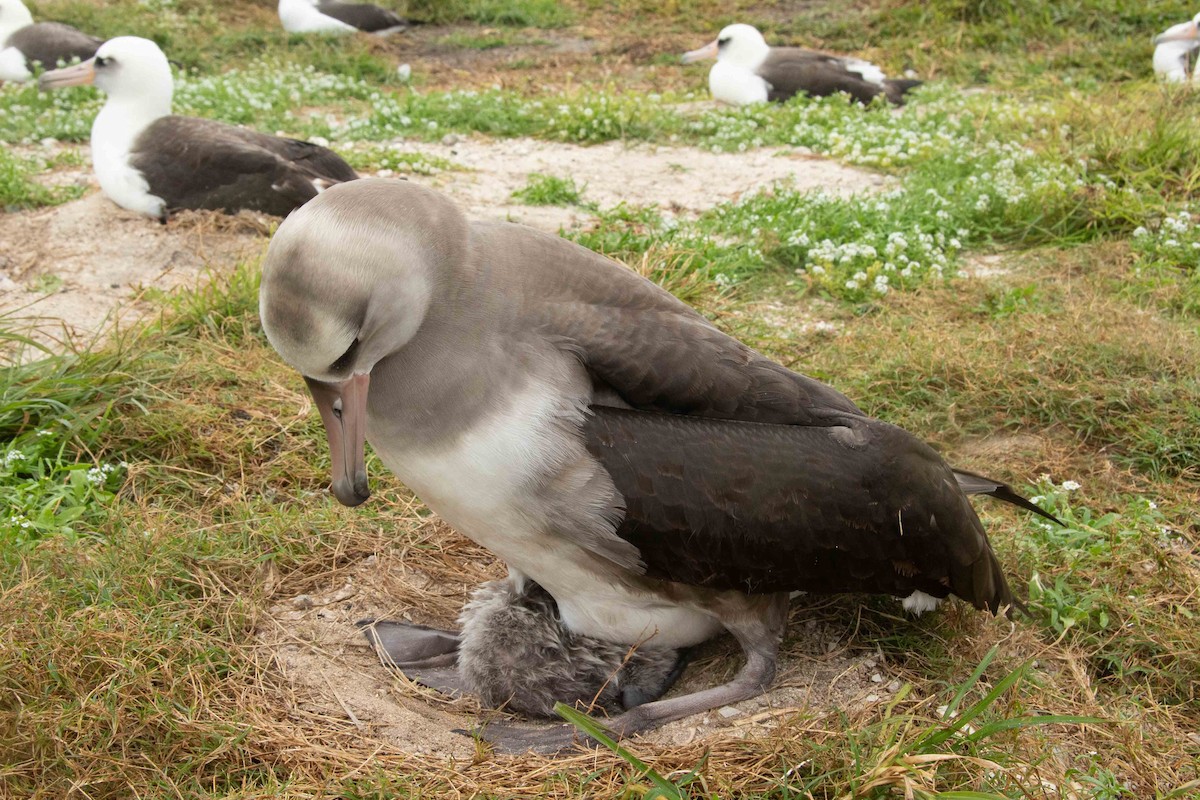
<point x="550" y="190"/>
<point x="19" y="189"/>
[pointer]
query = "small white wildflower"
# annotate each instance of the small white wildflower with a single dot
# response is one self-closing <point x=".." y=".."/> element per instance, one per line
<point x="1070" y="486"/>
<point x="1139" y="232"/>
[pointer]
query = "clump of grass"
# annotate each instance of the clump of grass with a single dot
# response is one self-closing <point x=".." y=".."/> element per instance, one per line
<point x="19" y="190"/>
<point x="550" y="190"/>
<point x="397" y="160"/>
<point x="513" y="13"/>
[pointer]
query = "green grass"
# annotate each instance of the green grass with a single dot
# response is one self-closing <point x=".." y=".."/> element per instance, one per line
<point x="20" y="190"/>
<point x="550" y="190"/>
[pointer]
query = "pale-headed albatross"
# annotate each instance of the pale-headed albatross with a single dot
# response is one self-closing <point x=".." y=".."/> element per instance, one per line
<point x="334" y="16"/>
<point x="1174" y="49"/>
<point x="748" y="70"/>
<point x="24" y="42"/>
<point x="659" y="479"/>
<point x="153" y="162"/>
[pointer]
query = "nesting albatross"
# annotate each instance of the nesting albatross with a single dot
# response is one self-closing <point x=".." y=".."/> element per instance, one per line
<point x="335" y="16"/>
<point x="24" y="42"/>
<point x="1174" y="49"/>
<point x="656" y="477"/>
<point x="153" y="162"/>
<point x="748" y="70"/>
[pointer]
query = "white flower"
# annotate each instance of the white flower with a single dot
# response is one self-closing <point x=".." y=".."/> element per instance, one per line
<point x="1070" y="486"/>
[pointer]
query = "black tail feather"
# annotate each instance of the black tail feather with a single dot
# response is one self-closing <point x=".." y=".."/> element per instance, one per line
<point x="972" y="483"/>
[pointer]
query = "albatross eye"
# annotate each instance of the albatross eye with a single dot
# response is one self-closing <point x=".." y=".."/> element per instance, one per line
<point x="103" y="61"/>
<point x="722" y="42"/>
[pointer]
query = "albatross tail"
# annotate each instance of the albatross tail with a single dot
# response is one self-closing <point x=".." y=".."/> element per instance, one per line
<point x="972" y="483"/>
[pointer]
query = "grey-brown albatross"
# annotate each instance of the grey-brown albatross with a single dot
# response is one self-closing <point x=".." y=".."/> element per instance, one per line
<point x="151" y="161"/>
<point x="24" y="43"/>
<point x="659" y="479"/>
<point x="748" y="70"/>
<point x="335" y="16"/>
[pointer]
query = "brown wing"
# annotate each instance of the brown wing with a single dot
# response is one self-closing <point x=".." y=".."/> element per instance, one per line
<point x="863" y="507"/>
<point x="51" y="42"/>
<point x="364" y="16"/>
<point x="200" y="163"/>
<point x="789" y="71"/>
<point x="643" y="347"/>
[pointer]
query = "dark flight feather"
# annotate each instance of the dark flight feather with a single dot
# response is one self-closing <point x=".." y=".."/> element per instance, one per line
<point x="761" y="508"/>
<point x="364" y="16"/>
<point x="204" y="164"/>
<point x="51" y="42"/>
<point x="791" y="70"/>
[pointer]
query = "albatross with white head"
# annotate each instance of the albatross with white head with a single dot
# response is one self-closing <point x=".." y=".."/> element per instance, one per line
<point x="748" y="70"/>
<point x="658" y="478"/>
<point x="151" y="161"/>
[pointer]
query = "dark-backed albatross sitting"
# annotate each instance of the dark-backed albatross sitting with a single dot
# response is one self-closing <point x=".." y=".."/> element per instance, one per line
<point x="335" y="16"/>
<point x="24" y="42"/>
<point x="659" y="479"/>
<point x="153" y="162"/>
<point x="748" y="70"/>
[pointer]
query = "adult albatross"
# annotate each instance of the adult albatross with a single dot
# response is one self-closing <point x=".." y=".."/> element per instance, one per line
<point x="335" y="16"/>
<point x="658" y="478"/>
<point x="153" y="162"/>
<point x="1173" y="50"/>
<point x="748" y="70"/>
<point x="24" y="43"/>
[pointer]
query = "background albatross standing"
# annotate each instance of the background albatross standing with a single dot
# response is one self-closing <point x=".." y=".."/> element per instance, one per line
<point x="151" y="161"/>
<point x="658" y="478"/>
<point x="1174" y="49"/>
<point x="748" y="70"/>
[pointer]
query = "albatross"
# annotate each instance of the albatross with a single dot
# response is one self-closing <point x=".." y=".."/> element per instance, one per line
<point x="1174" y="49"/>
<point x="657" y="478"/>
<point x="24" y="43"/>
<point x="748" y="70"/>
<point x="153" y="162"/>
<point x="334" y="16"/>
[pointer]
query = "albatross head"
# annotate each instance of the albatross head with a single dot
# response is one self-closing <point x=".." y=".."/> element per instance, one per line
<point x="1183" y="32"/>
<point x="347" y="282"/>
<point x="13" y="16"/>
<point x="738" y="44"/>
<point x="129" y="69"/>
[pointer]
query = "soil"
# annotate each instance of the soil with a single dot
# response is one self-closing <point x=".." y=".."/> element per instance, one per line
<point x="80" y="265"/>
<point x="333" y="672"/>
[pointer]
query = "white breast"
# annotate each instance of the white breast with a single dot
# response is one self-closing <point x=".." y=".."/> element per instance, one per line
<point x="1171" y="61"/>
<point x="113" y="134"/>
<point x="736" y="85"/>
<point x="491" y="485"/>
<point x="13" y="66"/>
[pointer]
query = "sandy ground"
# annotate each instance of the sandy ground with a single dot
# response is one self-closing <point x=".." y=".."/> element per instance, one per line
<point x="89" y="261"/>
<point x="333" y="672"/>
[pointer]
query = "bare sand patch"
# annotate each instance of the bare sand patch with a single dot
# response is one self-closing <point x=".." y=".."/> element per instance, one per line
<point x="331" y="671"/>
<point x="84" y="263"/>
<point x="680" y="180"/>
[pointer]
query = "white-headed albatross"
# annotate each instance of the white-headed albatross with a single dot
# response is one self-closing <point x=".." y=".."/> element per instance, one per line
<point x="659" y="479"/>
<point x="24" y="42"/>
<point x="748" y="70"/>
<point x="1174" y="49"/>
<point x="153" y="162"/>
<point x="334" y="16"/>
